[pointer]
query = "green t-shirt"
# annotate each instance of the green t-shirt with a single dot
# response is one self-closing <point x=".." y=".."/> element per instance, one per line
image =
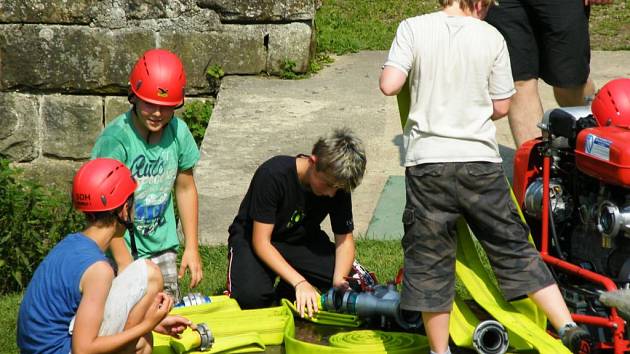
<point x="155" y="167"/>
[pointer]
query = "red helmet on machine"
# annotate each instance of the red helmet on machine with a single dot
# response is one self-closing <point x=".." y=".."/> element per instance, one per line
<point x="158" y="77"/>
<point x="102" y="184"/>
<point x="611" y="105"/>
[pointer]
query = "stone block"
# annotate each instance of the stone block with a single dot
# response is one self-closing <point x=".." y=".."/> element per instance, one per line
<point x="19" y="119"/>
<point x="153" y="9"/>
<point x="111" y="14"/>
<point x="237" y="49"/>
<point x="289" y="42"/>
<point x="69" y="59"/>
<point x="261" y="10"/>
<point x="49" y="11"/>
<point x="52" y="173"/>
<point x="71" y="125"/>
<point x="115" y="106"/>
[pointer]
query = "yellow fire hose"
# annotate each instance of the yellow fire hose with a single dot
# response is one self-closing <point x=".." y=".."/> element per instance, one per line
<point x="362" y="341"/>
<point x="327" y="318"/>
<point x="246" y="331"/>
<point x="234" y="330"/>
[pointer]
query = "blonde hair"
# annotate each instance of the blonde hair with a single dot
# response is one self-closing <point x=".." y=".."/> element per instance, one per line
<point x="341" y="155"/>
<point x="467" y="4"/>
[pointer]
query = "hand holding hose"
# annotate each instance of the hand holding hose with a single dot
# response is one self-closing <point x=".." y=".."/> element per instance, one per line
<point x="306" y="296"/>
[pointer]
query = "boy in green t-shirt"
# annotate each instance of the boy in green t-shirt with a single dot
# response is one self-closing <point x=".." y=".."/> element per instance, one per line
<point x="160" y="151"/>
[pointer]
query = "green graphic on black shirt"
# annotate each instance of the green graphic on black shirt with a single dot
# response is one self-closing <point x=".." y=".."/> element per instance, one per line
<point x="296" y="218"/>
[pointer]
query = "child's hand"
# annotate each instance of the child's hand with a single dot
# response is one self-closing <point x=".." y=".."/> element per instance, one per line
<point x="158" y="310"/>
<point x="306" y="296"/>
<point x="192" y="261"/>
<point x="341" y="284"/>
<point x="174" y="325"/>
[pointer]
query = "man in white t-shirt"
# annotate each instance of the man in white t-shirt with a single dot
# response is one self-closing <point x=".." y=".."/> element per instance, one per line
<point x="460" y="80"/>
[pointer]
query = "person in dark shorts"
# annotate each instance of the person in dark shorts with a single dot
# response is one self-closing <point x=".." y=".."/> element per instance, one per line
<point x="460" y="80"/>
<point x="277" y="229"/>
<point x="547" y="40"/>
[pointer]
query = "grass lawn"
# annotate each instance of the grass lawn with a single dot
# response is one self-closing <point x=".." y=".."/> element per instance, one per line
<point x="345" y="26"/>
<point x="382" y="257"/>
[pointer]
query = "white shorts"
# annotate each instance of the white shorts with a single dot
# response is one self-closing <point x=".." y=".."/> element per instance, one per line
<point x="128" y="288"/>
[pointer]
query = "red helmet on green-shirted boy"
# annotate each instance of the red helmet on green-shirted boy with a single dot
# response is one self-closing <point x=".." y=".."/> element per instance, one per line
<point x="158" y="77"/>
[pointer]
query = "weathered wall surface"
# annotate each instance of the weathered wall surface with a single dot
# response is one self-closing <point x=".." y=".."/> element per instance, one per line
<point x="64" y="64"/>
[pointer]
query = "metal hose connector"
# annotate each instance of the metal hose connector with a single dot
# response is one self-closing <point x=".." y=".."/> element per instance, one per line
<point x="490" y="337"/>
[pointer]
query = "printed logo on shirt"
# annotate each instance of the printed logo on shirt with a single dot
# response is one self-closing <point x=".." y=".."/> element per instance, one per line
<point x="296" y="218"/>
<point x="153" y="196"/>
<point x="143" y="167"/>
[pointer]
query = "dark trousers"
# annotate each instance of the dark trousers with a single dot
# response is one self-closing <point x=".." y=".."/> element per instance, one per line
<point x="251" y="282"/>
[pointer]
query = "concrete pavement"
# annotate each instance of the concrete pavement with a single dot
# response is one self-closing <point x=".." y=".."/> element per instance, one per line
<point x="259" y="117"/>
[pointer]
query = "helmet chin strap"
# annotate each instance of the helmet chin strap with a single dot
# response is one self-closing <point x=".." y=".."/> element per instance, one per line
<point x="129" y="226"/>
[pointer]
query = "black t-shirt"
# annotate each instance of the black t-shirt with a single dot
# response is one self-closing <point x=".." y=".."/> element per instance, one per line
<point x="276" y="196"/>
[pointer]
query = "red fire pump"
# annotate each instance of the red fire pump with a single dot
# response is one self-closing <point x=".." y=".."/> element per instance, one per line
<point x="573" y="184"/>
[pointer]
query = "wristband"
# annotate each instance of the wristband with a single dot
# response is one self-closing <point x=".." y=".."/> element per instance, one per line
<point x="298" y="283"/>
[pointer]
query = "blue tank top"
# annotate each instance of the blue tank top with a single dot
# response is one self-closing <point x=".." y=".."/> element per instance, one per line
<point x="52" y="297"/>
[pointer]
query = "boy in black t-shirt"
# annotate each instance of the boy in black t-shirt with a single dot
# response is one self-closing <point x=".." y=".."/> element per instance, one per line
<point x="277" y="230"/>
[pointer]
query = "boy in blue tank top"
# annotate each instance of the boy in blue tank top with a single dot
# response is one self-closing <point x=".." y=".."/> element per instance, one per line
<point x="73" y="302"/>
<point x="161" y="153"/>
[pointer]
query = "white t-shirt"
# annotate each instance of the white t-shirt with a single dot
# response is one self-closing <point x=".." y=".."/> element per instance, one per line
<point x="455" y="65"/>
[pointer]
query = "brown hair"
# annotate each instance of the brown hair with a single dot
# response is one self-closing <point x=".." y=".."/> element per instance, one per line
<point x="341" y="155"/>
<point x="467" y="4"/>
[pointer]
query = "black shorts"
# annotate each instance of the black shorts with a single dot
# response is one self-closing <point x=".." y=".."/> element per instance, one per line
<point x="546" y="39"/>
<point x="437" y="196"/>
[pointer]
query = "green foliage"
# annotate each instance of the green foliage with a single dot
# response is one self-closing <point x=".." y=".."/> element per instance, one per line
<point x="317" y="63"/>
<point x="32" y="219"/>
<point x="347" y="26"/>
<point x="288" y="72"/>
<point x="214" y="260"/>
<point x="9" y="307"/>
<point x="610" y="26"/>
<point x="197" y="114"/>
<point x="384" y="258"/>
<point x="215" y="71"/>
<point x="320" y="61"/>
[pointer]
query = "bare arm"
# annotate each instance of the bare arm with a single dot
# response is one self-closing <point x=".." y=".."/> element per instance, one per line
<point x="188" y="207"/>
<point x="95" y="285"/>
<point x="305" y="294"/>
<point x="344" y="256"/>
<point x="392" y="80"/>
<point x="500" y="108"/>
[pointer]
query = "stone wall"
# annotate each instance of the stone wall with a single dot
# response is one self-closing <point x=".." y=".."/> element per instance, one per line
<point x="64" y="64"/>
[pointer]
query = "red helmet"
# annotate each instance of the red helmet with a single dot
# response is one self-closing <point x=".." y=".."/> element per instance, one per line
<point x="159" y="78"/>
<point x="611" y="105"/>
<point x="102" y="184"/>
